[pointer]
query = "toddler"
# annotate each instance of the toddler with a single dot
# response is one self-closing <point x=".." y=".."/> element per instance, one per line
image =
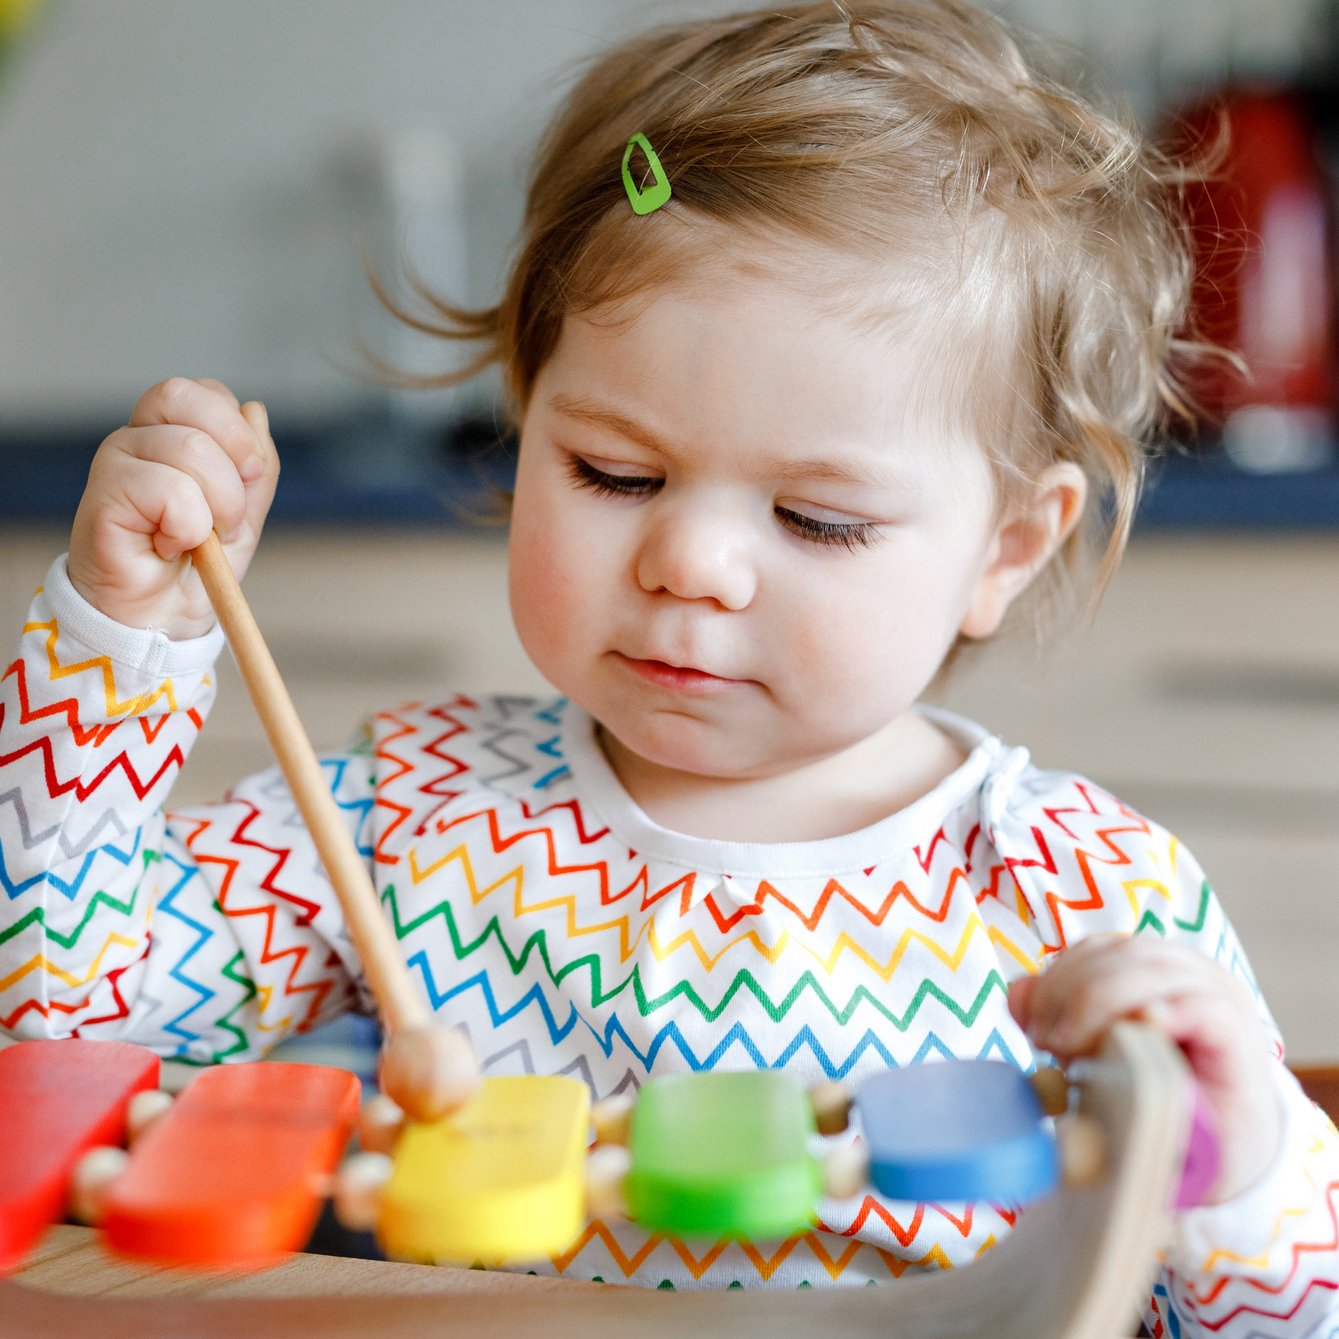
<point x="872" y="377"/>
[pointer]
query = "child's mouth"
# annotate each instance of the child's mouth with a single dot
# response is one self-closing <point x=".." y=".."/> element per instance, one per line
<point x="678" y="678"/>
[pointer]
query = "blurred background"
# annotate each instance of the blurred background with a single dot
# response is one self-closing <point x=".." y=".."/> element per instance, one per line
<point x="190" y="186"/>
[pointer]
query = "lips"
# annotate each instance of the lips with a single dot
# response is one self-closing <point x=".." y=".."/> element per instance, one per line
<point x="678" y="678"/>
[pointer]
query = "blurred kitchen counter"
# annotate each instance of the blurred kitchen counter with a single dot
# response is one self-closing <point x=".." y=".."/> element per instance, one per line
<point x="1205" y="694"/>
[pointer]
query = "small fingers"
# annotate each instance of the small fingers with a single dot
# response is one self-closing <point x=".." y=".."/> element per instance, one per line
<point x="171" y="504"/>
<point x="1093" y="986"/>
<point x="213" y="384"/>
<point x="210" y="407"/>
<point x="197" y="455"/>
<point x="1077" y="1027"/>
<point x="1020" y="1000"/>
<point x="260" y="482"/>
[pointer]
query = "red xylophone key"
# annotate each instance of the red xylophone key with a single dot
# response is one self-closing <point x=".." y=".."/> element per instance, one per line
<point x="232" y="1176"/>
<point x="57" y="1100"/>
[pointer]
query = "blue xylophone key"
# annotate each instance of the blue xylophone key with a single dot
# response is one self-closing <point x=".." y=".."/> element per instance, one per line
<point x="960" y="1130"/>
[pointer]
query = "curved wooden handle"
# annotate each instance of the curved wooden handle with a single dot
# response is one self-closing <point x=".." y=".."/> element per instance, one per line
<point x="387" y="976"/>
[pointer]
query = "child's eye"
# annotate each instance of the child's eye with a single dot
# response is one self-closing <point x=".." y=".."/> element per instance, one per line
<point x="604" y="484"/>
<point x="848" y="534"/>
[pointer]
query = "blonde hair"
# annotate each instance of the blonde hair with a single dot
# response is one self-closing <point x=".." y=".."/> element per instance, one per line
<point x="877" y="127"/>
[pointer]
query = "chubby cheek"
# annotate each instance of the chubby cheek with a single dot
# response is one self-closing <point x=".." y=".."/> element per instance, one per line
<point x="554" y="573"/>
<point x="858" y="653"/>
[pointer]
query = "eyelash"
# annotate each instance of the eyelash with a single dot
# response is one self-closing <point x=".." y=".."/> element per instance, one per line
<point x="850" y="536"/>
<point x="585" y="475"/>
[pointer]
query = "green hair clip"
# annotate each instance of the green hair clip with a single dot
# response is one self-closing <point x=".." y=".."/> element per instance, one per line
<point x="655" y="195"/>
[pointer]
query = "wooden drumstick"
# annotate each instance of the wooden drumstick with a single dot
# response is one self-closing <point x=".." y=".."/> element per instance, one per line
<point x="427" y="1070"/>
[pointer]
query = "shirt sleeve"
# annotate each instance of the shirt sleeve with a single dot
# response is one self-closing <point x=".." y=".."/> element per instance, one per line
<point x="1266" y="1263"/>
<point x="209" y="934"/>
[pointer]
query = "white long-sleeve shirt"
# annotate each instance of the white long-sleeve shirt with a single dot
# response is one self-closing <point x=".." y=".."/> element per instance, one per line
<point x="544" y="912"/>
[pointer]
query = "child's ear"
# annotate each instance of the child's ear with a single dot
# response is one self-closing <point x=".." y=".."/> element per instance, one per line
<point x="1025" y="542"/>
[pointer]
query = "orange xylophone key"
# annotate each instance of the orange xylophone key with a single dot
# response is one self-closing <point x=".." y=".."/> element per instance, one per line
<point x="57" y="1100"/>
<point x="232" y="1176"/>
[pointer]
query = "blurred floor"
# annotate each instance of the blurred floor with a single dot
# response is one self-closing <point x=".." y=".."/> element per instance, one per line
<point x="1206" y="694"/>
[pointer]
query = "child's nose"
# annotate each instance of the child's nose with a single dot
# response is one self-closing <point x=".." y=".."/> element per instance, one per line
<point x="698" y="552"/>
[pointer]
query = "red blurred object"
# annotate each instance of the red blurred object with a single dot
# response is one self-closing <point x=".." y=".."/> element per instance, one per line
<point x="1264" y="282"/>
<point x="231" y="1177"/>
<point x="57" y="1100"/>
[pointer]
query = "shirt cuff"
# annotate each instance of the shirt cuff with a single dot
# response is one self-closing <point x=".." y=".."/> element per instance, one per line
<point x="148" y="650"/>
<point x="1247" y="1227"/>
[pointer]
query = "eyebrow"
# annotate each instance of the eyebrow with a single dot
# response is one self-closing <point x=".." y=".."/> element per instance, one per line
<point x="791" y="470"/>
<point x="605" y="416"/>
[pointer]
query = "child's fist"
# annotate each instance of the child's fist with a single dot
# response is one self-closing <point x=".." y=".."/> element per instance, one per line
<point x="191" y="460"/>
<point x="1207" y="1011"/>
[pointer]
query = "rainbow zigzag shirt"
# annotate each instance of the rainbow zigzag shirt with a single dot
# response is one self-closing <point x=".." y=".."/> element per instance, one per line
<point x="544" y="912"/>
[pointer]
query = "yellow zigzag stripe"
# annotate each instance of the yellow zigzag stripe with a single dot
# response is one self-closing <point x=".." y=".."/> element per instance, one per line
<point x="626" y="945"/>
<point x="898" y="1266"/>
<point x="951" y="960"/>
<point x="1172" y="847"/>
<point x="115" y="707"/>
<point x="999" y="938"/>
<point x="40" y="962"/>
<point x="264" y="994"/>
<point x="689" y="937"/>
<point x="517" y="877"/>
<point x="1261" y="1260"/>
<point x="1130" y="885"/>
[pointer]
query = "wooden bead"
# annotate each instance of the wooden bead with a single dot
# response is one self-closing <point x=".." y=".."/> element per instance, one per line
<point x="429" y="1072"/>
<point x="91" y="1181"/>
<point x="846" y="1171"/>
<point x="143" y="1109"/>
<point x="612" y="1118"/>
<point x="380" y="1124"/>
<point x="1052" y="1089"/>
<point x="1083" y="1155"/>
<point x="358" y="1185"/>
<point x="606" y="1168"/>
<point x="832" y="1107"/>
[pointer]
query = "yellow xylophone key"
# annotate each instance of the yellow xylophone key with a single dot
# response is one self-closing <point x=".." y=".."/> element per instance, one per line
<point x="501" y="1179"/>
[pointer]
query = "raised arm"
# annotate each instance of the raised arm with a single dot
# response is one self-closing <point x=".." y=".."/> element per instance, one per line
<point x="115" y="921"/>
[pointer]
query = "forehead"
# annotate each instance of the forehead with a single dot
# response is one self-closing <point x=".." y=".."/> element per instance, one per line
<point x="743" y="358"/>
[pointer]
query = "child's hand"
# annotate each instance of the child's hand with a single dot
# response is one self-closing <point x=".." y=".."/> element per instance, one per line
<point x="1204" y="1009"/>
<point x="191" y="460"/>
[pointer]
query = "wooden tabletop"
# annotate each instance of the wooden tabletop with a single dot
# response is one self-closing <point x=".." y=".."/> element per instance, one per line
<point x="70" y="1261"/>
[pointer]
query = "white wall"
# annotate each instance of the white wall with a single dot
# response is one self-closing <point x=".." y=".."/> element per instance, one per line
<point x="180" y="187"/>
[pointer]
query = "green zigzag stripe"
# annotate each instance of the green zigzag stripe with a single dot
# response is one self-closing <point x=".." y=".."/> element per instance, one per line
<point x="744" y="980"/>
<point x="242" y="1043"/>
<point x="1190" y="927"/>
<point x="37" y="916"/>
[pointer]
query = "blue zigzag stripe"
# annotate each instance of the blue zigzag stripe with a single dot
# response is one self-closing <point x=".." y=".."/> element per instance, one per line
<point x="553" y="713"/>
<point x="362" y="807"/>
<point x="670" y="1034"/>
<point x="1173" y="1320"/>
<point x="71" y="889"/>
<point x="188" y="872"/>
<point x="553" y="749"/>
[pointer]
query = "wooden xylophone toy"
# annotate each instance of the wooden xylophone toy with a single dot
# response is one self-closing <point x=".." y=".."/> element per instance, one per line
<point x="1077" y="1265"/>
<point x="232" y="1174"/>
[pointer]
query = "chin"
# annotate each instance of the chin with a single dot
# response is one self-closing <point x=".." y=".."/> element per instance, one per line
<point x="680" y="743"/>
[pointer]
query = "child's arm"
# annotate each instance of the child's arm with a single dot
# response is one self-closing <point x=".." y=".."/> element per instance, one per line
<point x="205" y="935"/>
<point x="1263" y="1256"/>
